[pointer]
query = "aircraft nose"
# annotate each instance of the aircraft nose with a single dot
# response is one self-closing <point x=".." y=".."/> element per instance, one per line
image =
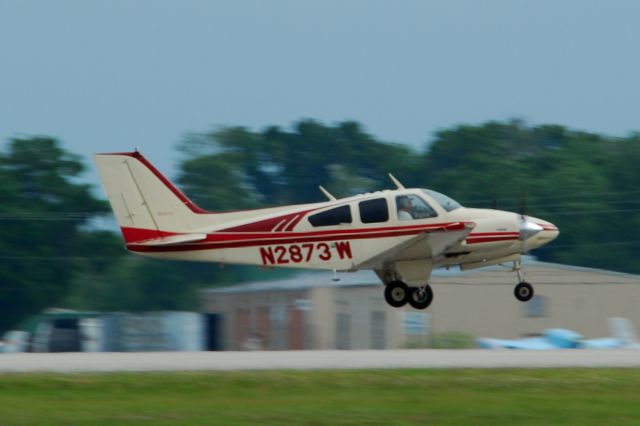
<point x="550" y="231"/>
<point x="547" y="230"/>
<point x="529" y="229"/>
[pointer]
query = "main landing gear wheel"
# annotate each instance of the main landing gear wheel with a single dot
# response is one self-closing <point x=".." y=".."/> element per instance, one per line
<point x="523" y="292"/>
<point x="396" y="293"/>
<point x="421" y="297"/>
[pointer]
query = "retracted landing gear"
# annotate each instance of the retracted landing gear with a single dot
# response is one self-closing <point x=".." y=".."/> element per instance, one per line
<point x="397" y="294"/>
<point x="524" y="290"/>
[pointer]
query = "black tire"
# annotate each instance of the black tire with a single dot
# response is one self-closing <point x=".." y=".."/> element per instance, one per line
<point x="420" y="299"/>
<point x="523" y="292"/>
<point x="396" y="293"/>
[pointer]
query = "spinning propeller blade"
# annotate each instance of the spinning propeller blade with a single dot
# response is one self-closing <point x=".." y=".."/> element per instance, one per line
<point x="528" y="229"/>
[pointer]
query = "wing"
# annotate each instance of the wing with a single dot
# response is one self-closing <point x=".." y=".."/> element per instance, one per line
<point x="533" y="343"/>
<point x="173" y="239"/>
<point x="427" y="245"/>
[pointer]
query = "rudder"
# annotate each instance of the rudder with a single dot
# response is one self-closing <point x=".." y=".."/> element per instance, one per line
<point x="145" y="203"/>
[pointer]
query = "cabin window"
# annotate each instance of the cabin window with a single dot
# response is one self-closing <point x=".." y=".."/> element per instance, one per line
<point x="374" y="211"/>
<point x="332" y="217"/>
<point x="447" y="203"/>
<point x="412" y="207"/>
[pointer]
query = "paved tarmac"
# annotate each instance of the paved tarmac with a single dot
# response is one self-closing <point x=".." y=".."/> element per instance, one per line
<point x="314" y="360"/>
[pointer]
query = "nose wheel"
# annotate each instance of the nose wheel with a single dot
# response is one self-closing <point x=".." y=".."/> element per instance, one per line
<point x="398" y="293"/>
<point x="523" y="291"/>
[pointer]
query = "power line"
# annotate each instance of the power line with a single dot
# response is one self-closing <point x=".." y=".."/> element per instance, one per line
<point x="596" y="212"/>
<point x="553" y="247"/>
<point x="584" y="206"/>
<point x="585" y="203"/>
<point x="569" y="193"/>
<point x="57" y="258"/>
<point x="593" y="244"/>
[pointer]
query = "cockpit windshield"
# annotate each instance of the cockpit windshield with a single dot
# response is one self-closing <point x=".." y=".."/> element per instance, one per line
<point x="447" y="203"/>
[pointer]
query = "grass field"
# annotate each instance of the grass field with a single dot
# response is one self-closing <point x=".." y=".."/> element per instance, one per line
<point x="486" y="397"/>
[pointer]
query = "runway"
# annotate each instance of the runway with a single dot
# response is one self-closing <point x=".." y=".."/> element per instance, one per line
<point x="313" y="360"/>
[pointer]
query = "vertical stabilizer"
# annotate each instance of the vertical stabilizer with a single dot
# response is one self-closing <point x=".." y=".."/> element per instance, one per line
<point x="145" y="203"/>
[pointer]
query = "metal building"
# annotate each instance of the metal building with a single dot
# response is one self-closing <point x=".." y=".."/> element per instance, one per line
<point x="310" y="311"/>
<point x="73" y="331"/>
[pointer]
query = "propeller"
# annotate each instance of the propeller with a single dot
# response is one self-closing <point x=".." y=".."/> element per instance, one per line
<point x="494" y="201"/>
<point x="522" y="209"/>
<point x="527" y="228"/>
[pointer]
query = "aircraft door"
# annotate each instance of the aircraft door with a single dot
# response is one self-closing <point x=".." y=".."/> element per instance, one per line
<point x="374" y="214"/>
<point x="337" y="249"/>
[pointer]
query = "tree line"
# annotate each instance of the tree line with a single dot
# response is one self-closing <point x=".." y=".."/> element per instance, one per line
<point x="52" y="254"/>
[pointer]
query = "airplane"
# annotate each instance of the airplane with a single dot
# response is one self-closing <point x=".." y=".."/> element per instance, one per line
<point x="623" y="335"/>
<point x="401" y="234"/>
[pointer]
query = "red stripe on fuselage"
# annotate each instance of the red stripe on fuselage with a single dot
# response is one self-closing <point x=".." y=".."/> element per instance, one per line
<point x="225" y="236"/>
<point x="265" y="242"/>
<point x="274" y="224"/>
<point x="280" y="225"/>
<point x="138" y="235"/>
<point x="285" y="224"/>
<point x="232" y="240"/>
<point x="294" y="222"/>
<point x="265" y="225"/>
<point x="490" y="239"/>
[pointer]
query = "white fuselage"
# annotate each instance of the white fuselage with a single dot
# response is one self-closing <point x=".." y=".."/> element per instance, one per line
<point x="273" y="239"/>
<point x="402" y="234"/>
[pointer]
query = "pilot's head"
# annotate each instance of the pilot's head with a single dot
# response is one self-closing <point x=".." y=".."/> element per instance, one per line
<point x="404" y="203"/>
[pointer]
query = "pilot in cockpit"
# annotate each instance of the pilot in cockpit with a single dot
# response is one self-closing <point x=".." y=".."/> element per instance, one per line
<point x="405" y="208"/>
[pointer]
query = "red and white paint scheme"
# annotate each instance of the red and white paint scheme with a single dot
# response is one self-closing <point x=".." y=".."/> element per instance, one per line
<point x="401" y="234"/>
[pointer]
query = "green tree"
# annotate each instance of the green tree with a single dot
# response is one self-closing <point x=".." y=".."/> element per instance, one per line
<point x="582" y="182"/>
<point x="234" y="168"/>
<point x="51" y="254"/>
<point x="44" y="210"/>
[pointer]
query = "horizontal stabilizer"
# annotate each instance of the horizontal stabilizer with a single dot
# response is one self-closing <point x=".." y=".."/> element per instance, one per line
<point x="174" y="239"/>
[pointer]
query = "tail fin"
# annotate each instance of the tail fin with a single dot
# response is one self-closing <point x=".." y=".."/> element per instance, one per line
<point x="146" y="205"/>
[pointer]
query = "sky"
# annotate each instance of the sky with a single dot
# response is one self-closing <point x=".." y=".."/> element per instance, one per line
<point x="106" y="76"/>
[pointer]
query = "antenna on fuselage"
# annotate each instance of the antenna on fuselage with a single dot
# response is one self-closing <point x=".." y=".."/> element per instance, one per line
<point x="327" y="193"/>
<point x="396" y="182"/>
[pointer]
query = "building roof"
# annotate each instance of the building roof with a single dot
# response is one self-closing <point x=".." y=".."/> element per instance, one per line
<point x="538" y="273"/>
